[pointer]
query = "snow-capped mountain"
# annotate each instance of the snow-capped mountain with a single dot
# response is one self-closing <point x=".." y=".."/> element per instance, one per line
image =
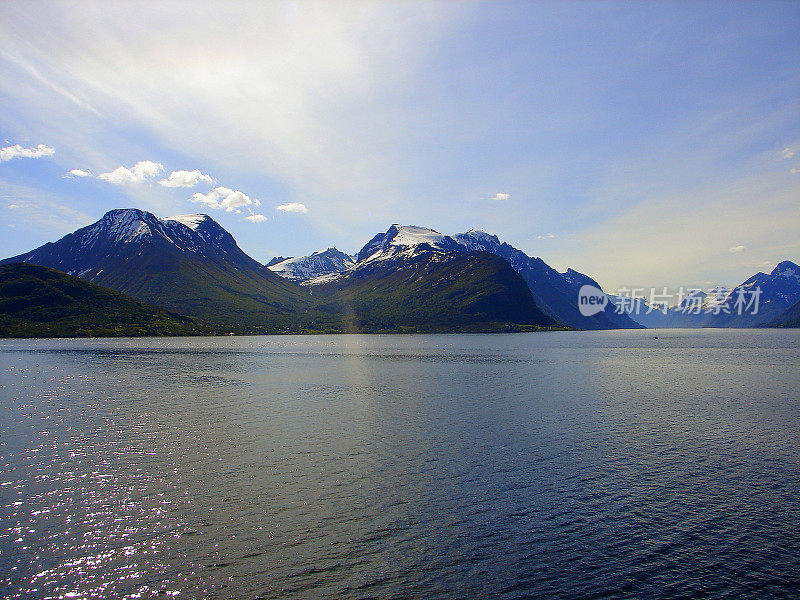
<point x="303" y="268"/>
<point x="187" y="263"/>
<point x="415" y="276"/>
<point x="555" y="293"/>
<point x="127" y="231"/>
<point x="775" y="294"/>
<point x="407" y="277"/>
<point x="405" y="241"/>
<point x="399" y="243"/>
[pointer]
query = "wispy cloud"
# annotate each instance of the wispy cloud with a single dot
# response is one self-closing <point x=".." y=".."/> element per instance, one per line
<point x="546" y="236"/>
<point x="648" y="245"/>
<point x="138" y="173"/>
<point x="501" y="196"/>
<point x="222" y="198"/>
<point x="787" y="153"/>
<point x="17" y="151"/>
<point x="38" y="213"/>
<point x="292" y="207"/>
<point x="77" y="173"/>
<point x="186" y="179"/>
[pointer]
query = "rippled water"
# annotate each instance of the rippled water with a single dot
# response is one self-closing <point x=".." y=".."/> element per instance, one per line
<point x="552" y="465"/>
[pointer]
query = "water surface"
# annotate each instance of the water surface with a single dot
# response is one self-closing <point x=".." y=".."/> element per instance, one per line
<point x="546" y="465"/>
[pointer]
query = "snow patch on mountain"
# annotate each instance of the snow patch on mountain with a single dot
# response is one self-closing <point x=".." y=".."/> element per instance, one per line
<point x="191" y="221"/>
<point x="786" y="269"/>
<point x="405" y="241"/>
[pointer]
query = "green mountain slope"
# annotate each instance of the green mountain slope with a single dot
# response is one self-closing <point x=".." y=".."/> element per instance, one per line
<point x="243" y="299"/>
<point x="41" y="302"/>
<point x="469" y="292"/>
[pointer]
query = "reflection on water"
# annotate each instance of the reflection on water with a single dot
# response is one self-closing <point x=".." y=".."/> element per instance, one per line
<point x="565" y="464"/>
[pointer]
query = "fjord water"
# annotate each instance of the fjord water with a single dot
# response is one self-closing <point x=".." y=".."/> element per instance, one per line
<point x="544" y="465"/>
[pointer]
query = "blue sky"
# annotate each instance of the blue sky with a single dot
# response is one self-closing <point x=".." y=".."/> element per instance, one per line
<point x="645" y="144"/>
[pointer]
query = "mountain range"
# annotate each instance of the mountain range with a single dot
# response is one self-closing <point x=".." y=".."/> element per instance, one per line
<point x="407" y="278"/>
<point x="556" y="294"/>
<point x="190" y="265"/>
<point x="765" y="299"/>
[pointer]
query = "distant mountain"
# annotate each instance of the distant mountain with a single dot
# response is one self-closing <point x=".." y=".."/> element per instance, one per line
<point x="555" y="293"/>
<point x="788" y="318"/>
<point x="692" y="311"/>
<point x="41" y="302"/>
<point x="779" y="291"/>
<point x="760" y="300"/>
<point x="303" y="268"/>
<point x="188" y="264"/>
<point x="413" y="278"/>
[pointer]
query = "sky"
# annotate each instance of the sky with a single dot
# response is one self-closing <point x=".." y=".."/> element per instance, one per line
<point x="645" y="144"/>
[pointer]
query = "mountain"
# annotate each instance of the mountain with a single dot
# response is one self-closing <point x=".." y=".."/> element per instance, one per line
<point x="761" y="300"/>
<point x="188" y="264"/>
<point x="405" y="241"/>
<point x="413" y="278"/>
<point x="692" y="311"/>
<point x="555" y="293"/>
<point x="41" y="302"/>
<point x="303" y="268"/>
<point x="774" y="294"/>
<point x="788" y="318"/>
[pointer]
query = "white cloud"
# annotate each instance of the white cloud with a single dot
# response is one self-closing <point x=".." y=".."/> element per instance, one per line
<point x="293" y="207"/>
<point x="256" y="218"/>
<point x="736" y="249"/>
<point x="13" y="206"/>
<point x="500" y="196"/>
<point x="142" y="170"/>
<point x="222" y="198"/>
<point x="17" y="151"/>
<point x="795" y="170"/>
<point x="787" y="153"/>
<point x="77" y="173"/>
<point x="547" y="236"/>
<point x="186" y="179"/>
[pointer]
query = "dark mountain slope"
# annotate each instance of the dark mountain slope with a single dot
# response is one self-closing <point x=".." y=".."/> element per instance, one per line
<point x="432" y="291"/>
<point x="788" y="318"/>
<point x="41" y="302"/>
<point x="556" y="293"/>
